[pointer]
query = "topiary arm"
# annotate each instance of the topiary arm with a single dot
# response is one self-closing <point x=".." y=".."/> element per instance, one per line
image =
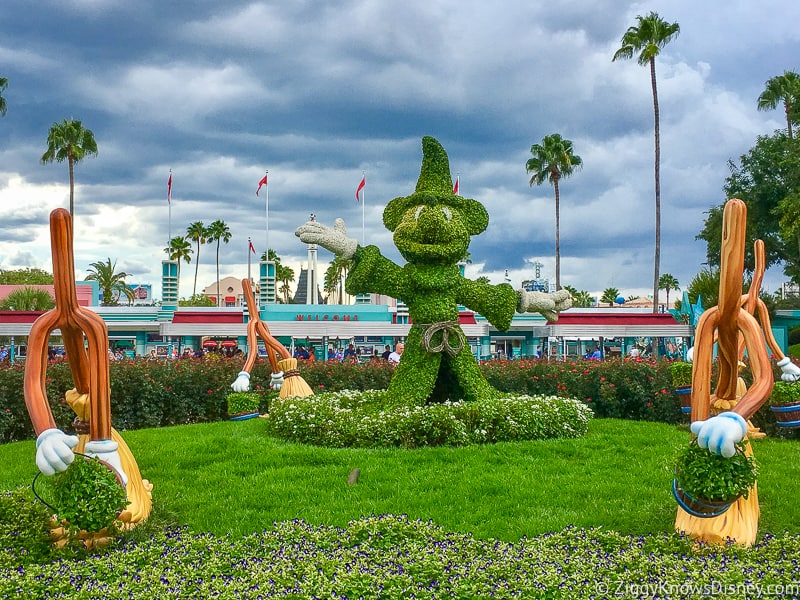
<point x="548" y="305"/>
<point x="495" y="302"/>
<point x="373" y="273"/>
<point x="331" y="238"/>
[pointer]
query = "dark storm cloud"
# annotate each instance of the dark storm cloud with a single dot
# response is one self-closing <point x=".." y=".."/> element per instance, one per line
<point x="319" y="92"/>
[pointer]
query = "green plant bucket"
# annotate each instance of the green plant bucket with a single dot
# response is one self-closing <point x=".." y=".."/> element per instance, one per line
<point x="699" y="507"/>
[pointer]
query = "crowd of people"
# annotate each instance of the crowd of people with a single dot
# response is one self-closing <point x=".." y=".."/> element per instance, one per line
<point x="352" y="354"/>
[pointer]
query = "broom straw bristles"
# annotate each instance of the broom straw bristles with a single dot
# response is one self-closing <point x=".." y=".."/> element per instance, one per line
<point x="293" y="384"/>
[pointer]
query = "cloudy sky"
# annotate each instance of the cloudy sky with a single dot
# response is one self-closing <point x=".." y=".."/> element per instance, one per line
<point x="318" y="92"/>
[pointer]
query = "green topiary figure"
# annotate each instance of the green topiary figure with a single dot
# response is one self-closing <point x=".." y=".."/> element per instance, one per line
<point x="432" y="229"/>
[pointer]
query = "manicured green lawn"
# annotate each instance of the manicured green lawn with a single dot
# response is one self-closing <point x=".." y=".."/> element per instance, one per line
<point x="230" y="478"/>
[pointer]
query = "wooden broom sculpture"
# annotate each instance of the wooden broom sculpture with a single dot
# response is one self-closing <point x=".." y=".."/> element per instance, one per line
<point x="285" y="374"/>
<point x="91" y="397"/>
<point x="732" y="326"/>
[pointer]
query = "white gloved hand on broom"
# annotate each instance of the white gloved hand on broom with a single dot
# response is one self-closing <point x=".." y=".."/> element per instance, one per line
<point x="106" y="450"/>
<point x="720" y="434"/>
<point x="789" y="371"/>
<point x="242" y="383"/>
<point x="54" y="451"/>
<point x="277" y="380"/>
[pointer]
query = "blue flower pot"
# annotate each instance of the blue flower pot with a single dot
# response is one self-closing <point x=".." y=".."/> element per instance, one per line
<point x="787" y="415"/>
<point x="244" y="417"/>
<point x="699" y="507"/>
<point x="684" y="393"/>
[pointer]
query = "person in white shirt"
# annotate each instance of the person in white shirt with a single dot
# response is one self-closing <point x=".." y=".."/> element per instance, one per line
<point x="394" y="357"/>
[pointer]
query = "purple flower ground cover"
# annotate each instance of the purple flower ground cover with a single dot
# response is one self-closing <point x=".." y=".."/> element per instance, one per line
<point x="394" y="557"/>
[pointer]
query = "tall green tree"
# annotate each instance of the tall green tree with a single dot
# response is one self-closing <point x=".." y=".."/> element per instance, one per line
<point x="705" y="285"/>
<point x="782" y="89"/>
<point x="197" y="233"/>
<point x="24" y="276"/>
<point x="112" y="284"/>
<point x="70" y="141"/>
<point x="552" y="161"/>
<point x="218" y="232"/>
<point x="646" y="39"/>
<point x="3" y="86"/>
<point x="28" y="298"/>
<point x="764" y="179"/>
<point x="668" y="282"/>
<point x="179" y="249"/>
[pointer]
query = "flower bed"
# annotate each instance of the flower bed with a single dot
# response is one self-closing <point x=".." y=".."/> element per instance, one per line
<point x="396" y="557"/>
<point x="363" y="419"/>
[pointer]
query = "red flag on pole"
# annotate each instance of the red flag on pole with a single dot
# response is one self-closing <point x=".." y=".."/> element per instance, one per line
<point x="252" y="249"/>
<point x="169" y="188"/>
<point x="455" y="186"/>
<point x="361" y="187"/>
<point x="260" y="183"/>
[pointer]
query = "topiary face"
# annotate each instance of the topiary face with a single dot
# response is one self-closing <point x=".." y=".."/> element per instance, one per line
<point x="432" y="233"/>
<point x="433" y="225"/>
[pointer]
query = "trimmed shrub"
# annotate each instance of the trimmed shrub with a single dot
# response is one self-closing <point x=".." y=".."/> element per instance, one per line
<point x="24" y="529"/>
<point x="368" y="419"/>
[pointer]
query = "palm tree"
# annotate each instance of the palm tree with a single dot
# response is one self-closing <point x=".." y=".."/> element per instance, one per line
<point x="553" y="160"/>
<point x="330" y="283"/>
<point x="273" y="256"/>
<point x="3" y="86"/>
<point x="218" y="232"/>
<point x="647" y="39"/>
<point x="28" y="298"/>
<point x="284" y="275"/>
<point x="580" y="298"/>
<point x="782" y="89"/>
<point x="111" y="283"/>
<point x="668" y="282"/>
<point x="181" y="250"/>
<point x="69" y="141"/>
<point x="336" y="273"/>
<point x="610" y="295"/>
<point x="197" y="233"/>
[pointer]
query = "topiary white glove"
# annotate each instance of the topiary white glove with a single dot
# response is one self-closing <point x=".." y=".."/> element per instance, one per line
<point x="789" y="371"/>
<point x="277" y="380"/>
<point x="334" y="239"/>
<point x="54" y="451"/>
<point x="106" y="450"/>
<point x="242" y="383"/>
<point x="547" y="305"/>
<point x="690" y="354"/>
<point x="720" y="434"/>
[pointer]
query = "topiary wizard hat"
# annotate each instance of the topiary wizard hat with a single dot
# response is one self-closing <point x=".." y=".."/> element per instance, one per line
<point x="435" y="187"/>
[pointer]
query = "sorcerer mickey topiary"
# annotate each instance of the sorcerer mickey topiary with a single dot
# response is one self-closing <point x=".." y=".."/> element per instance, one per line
<point x="432" y="229"/>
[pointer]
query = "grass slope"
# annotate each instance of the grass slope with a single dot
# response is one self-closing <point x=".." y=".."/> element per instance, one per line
<point x="229" y="477"/>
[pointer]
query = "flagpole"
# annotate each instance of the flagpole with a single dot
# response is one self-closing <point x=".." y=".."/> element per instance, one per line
<point x="363" y="202"/>
<point x="249" y="245"/>
<point x="169" y="203"/>
<point x="266" y="251"/>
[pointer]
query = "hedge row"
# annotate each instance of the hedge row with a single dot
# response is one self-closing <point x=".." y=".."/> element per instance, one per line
<point x="146" y="394"/>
